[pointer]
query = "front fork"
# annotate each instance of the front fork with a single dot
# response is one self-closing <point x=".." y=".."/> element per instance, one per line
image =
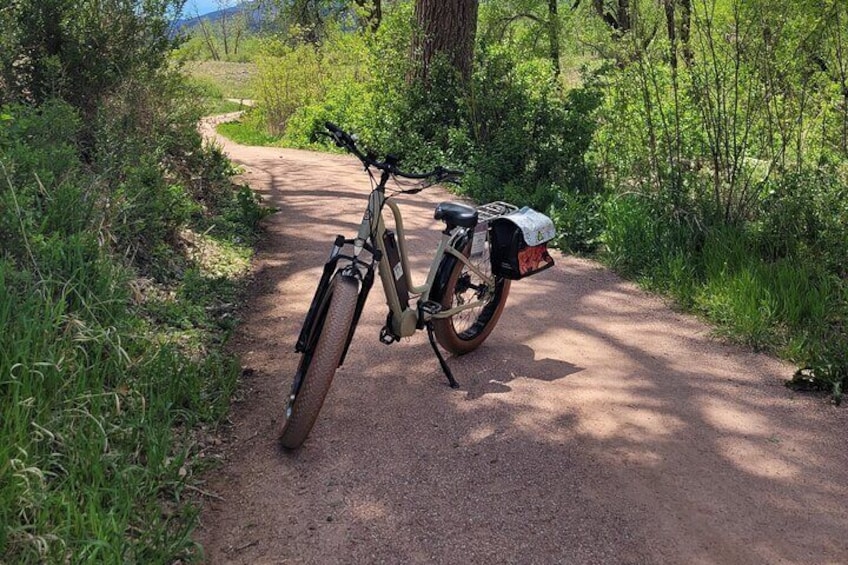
<point x="362" y="271"/>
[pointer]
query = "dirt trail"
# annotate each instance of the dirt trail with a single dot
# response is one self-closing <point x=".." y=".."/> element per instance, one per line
<point x="596" y="425"/>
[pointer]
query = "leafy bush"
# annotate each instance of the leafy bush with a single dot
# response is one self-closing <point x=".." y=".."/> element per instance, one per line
<point x="289" y="78"/>
<point x="302" y="87"/>
<point x="39" y="165"/>
<point x="344" y="103"/>
<point x="806" y="215"/>
<point x="99" y="394"/>
<point x="578" y="220"/>
<point x="530" y="139"/>
<point x="80" y="51"/>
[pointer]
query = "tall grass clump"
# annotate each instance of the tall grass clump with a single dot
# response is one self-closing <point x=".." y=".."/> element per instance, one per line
<point x="788" y="303"/>
<point x="100" y="393"/>
<point x="95" y="468"/>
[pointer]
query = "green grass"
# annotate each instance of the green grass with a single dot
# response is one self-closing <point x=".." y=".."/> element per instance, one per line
<point x="212" y="96"/>
<point x="214" y="106"/>
<point x="99" y="394"/>
<point x="109" y="367"/>
<point x="246" y="133"/>
<point x="234" y="80"/>
<point x="789" y="306"/>
<point x="88" y="416"/>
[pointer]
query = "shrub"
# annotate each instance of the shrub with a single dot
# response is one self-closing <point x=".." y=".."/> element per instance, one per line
<point x="302" y="86"/>
<point x="531" y="139"/>
<point x="805" y="214"/>
<point x="578" y="220"/>
<point x="289" y="78"/>
<point x="39" y="169"/>
<point x="80" y="51"/>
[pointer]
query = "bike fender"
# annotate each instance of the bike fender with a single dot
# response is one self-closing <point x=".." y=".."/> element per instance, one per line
<point x="460" y="243"/>
<point x="364" y="289"/>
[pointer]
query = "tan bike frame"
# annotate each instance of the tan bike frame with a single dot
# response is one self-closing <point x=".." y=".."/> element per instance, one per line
<point x="405" y="321"/>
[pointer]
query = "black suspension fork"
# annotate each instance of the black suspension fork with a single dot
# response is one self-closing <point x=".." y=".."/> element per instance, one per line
<point x="305" y="341"/>
<point x="313" y="322"/>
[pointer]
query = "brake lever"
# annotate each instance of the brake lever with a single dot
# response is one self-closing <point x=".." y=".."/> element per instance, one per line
<point x="444" y="175"/>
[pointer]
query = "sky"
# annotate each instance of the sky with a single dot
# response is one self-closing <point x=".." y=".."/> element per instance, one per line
<point x="201" y="7"/>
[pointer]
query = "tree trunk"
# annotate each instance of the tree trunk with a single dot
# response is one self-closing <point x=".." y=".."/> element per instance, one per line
<point x="210" y="41"/>
<point x="623" y="15"/>
<point x="671" y="29"/>
<point x="685" y="31"/>
<point x="444" y="27"/>
<point x="225" y="32"/>
<point x="553" y="34"/>
<point x="618" y="19"/>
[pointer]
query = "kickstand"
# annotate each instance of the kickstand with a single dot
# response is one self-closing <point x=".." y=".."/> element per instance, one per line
<point x="442" y="362"/>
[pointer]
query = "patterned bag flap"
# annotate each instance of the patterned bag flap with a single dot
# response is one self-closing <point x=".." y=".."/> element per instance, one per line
<point x="536" y="227"/>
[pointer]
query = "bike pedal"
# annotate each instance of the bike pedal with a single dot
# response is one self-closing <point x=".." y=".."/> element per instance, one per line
<point x="431" y="308"/>
<point x="387" y="337"/>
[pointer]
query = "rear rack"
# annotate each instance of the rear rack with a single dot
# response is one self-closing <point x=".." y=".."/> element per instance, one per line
<point x="485" y="214"/>
<point x="492" y="210"/>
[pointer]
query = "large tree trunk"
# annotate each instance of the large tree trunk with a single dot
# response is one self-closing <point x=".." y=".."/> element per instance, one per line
<point x="444" y="27"/>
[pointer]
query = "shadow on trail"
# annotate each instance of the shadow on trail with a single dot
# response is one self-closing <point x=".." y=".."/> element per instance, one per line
<point x="516" y="361"/>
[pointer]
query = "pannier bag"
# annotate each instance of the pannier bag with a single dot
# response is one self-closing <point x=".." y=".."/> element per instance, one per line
<point x="520" y="243"/>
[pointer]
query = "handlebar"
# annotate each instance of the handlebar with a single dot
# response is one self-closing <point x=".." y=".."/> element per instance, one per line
<point x="390" y="164"/>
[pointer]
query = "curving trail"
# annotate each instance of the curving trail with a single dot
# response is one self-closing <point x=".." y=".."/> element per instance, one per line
<point x="596" y="425"/>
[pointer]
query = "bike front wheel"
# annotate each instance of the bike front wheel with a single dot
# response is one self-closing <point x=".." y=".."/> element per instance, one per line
<point x="465" y="331"/>
<point x="316" y="369"/>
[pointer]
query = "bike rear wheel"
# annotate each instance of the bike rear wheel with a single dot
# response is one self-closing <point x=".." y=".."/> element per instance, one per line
<point x="316" y="370"/>
<point x="467" y="330"/>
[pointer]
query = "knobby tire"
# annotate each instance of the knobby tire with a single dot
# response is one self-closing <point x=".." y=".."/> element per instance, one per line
<point x="477" y="323"/>
<point x="323" y="364"/>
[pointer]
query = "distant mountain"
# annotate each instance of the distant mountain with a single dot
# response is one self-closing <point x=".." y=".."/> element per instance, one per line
<point x="253" y="10"/>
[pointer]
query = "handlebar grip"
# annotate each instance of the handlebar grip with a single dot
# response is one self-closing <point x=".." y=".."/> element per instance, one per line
<point x="452" y="172"/>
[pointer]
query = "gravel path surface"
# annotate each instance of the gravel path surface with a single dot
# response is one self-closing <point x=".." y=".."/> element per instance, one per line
<point x="596" y="424"/>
